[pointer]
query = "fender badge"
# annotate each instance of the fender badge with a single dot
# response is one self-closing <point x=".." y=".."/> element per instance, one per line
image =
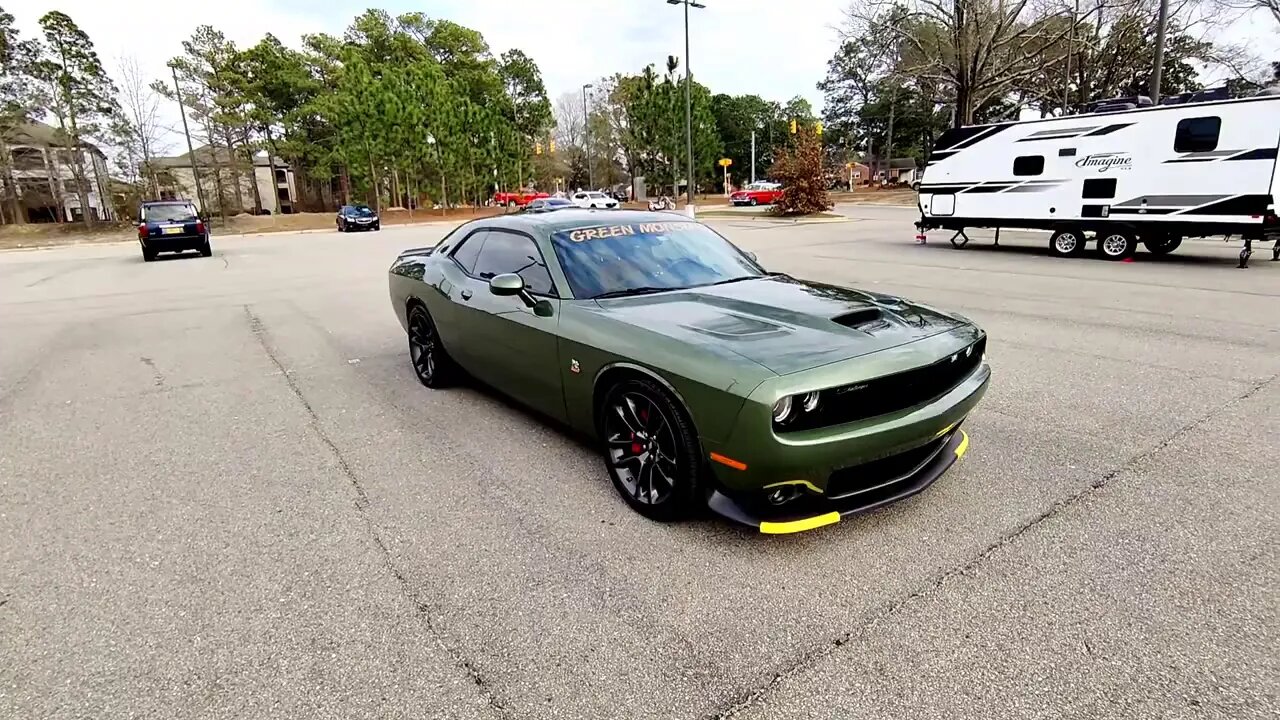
<point x="574" y="367"/>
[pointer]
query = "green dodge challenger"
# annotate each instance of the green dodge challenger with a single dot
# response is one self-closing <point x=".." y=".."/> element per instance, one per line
<point x="779" y="403"/>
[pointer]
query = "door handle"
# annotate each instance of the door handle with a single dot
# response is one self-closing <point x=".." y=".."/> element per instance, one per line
<point x="466" y="294"/>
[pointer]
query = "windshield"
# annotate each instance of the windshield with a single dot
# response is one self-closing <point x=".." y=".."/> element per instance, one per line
<point x="614" y="259"/>
<point x="595" y="195"/>
<point x="361" y="210"/>
<point x="168" y="213"/>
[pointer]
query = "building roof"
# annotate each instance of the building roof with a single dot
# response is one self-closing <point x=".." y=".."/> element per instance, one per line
<point x="41" y="135"/>
<point x="208" y="156"/>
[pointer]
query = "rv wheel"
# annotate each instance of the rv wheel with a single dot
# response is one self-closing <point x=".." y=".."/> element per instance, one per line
<point x="1162" y="244"/>
<point x="1117" y="244"/>
<point x="1068" y="242"/>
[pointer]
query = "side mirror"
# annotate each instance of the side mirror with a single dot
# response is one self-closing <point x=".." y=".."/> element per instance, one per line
<point x="511" y="284"/>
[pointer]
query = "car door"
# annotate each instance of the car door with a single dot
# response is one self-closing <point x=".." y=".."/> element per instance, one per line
<point x="450" y="309"/>
<point x="580" y="199"/>
<point x="513" y="347"/>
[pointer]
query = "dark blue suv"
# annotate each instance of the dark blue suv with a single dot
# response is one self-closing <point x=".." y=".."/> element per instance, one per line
<point x="171" y="226"/>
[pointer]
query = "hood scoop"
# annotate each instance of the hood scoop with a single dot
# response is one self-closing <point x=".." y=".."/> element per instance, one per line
<point x="858" y="318"/>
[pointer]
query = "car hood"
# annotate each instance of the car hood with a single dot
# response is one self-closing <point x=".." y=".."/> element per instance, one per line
<point x="783" y="324"/>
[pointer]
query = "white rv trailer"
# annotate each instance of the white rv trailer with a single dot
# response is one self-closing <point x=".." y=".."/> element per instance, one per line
<point x="1155" y="174"/>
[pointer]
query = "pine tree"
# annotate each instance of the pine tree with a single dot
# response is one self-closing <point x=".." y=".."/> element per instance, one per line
<point x="17" y="106"/>
<point x="81" y="96"/>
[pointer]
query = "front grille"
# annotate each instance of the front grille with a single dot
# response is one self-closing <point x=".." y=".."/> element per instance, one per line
<point x="885" y="471"/>
<point x="890" y="393"/>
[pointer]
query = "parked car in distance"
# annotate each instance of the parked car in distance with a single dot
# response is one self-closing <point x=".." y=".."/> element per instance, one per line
<point x="759" y="193"/>
<point x="358" y="217"/>
<point x="517" y="198"/>
<point x="593" y="199"/>
<point x="548" y="204"/>
<point x="171" y="226"/>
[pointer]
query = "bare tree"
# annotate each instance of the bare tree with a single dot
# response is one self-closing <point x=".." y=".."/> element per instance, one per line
<point x="141" y="106"/>
<point x="1269" y="6"/>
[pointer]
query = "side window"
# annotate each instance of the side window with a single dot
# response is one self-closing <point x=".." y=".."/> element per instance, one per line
<point x="466" y="253"/>
<point x="1098" y="189"/>
<point x="506" y="252"/>
<point x="1197" y="134"/>
<point x="1028" y="165"/>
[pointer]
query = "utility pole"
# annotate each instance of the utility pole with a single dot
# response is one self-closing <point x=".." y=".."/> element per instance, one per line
<point x="688" y="102"/>
<point x="1066" y="76"/>
<point x="191" y="153"/>
<point x="1161" y="20"/>
<point x="753" y="155"/>
<point x="586" y="134"/>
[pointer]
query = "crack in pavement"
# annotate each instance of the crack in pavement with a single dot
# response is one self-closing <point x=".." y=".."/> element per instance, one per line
<point x="811" y="658"/>
<point x="423" y="609"/>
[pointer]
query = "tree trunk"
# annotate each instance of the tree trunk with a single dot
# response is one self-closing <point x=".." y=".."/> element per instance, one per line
<point x="271" y="163"/>
<point x="253" y="174"/>
<point x="11" y="185"/>
<point x="235" y="173"/>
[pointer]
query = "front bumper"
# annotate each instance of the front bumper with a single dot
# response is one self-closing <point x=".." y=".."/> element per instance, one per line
<point x="357" y="225"/>
<point x="903" y="477"/>
<point x="839" y="470"/>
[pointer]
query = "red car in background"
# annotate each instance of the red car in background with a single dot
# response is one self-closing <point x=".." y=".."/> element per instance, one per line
<point x="760" y="193"/>
<point x="519" y="198"/>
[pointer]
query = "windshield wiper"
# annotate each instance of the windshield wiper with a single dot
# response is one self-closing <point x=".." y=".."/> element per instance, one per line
<point x="627" y="292"/>
<point x="734" y="280"/>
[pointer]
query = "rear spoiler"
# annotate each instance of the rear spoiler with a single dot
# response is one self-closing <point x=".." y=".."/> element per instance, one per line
<point x="417" y="252"/>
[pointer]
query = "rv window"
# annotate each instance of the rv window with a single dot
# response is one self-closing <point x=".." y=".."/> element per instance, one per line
<point x="1197" y="134"/>
<point x="1099" y="189"/>
<point x="1067" y="152"/>
<point x="1028" y="165"/>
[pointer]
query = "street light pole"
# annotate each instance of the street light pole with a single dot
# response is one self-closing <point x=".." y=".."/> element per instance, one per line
<point x="586" y="134"/>
<point x="1161" y="21"/>
<point x="753" y="155"/>
<point x="688" y="102"/>
<point x="191" y="153"/>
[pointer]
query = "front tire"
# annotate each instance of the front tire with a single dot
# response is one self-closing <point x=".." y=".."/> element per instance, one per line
<point x="754" y="202"/>
<point x="650" y="450"/>
<point x="1117" y="244"/>
<point x="1067" y="242"/>
<point x="431" y="363"/>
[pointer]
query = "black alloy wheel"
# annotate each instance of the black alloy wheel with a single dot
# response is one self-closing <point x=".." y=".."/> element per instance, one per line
<point x="650" y="450"/>
<point x="430" y="362"/>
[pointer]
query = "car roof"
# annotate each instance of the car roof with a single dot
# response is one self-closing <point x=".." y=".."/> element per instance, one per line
<point x="570" y="218"/>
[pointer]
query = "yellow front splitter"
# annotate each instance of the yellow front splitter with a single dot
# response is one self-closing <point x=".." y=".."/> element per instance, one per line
<point x="831" y="518"/>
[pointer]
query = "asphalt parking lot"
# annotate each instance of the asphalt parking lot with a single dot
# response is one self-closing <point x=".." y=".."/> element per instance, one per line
<point x="224" y="495"/>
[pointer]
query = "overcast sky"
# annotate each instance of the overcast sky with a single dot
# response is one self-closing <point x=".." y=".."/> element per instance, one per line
<point x="774" y="48"/>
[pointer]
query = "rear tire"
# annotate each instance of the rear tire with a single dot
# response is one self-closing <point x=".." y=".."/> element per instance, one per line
<point x="650" y="450"/>
<point x="206" y="250"/>
<point x="1117" y="244"/>
<point x="1067" y="242"/>
<point x="431" y="362"/>
<point x="148" y="255"/>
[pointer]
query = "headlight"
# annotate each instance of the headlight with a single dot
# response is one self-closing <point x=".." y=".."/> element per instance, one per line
<point x="782" y="410"/>
<point x="811" y="401"/>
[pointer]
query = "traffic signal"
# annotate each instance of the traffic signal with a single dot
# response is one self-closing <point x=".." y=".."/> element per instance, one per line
<point x="537" y="148"/>
<point x="793" y="126"/>
<point x="818" y="127"/>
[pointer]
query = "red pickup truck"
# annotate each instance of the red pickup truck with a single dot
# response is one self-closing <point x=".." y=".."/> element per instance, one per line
<point x="518" y="198"/>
